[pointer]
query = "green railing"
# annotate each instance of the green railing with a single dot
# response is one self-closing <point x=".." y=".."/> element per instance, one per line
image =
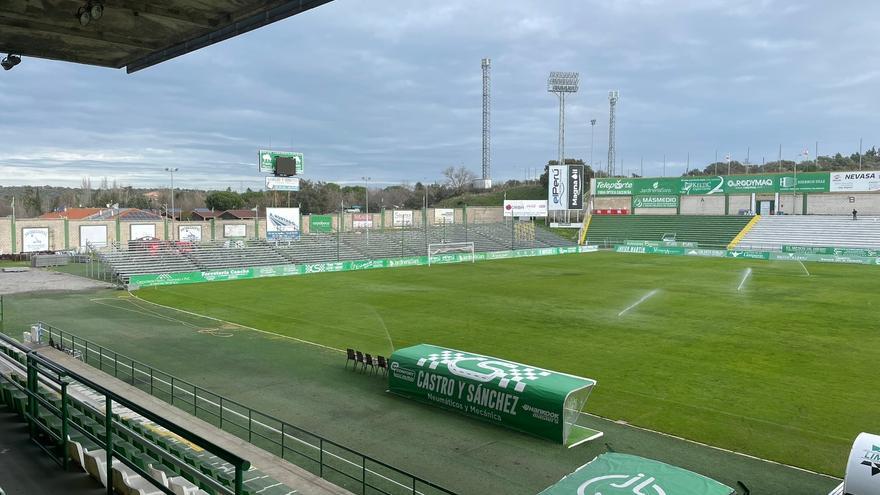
<point x="336" y="463"/>
<point x="45" y="379"/>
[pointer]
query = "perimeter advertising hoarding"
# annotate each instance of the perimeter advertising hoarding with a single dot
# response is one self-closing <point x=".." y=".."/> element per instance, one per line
<point x="733" y="184"/>
<point x="189" y="233"/>
<point x="282" y="224"/>
<point x="402" y="218"/>
<point x="93" y="235"/>
<point x="142" y="230"/>
<point x="444" y="215"/>
<point x="320" y="223"/>
<point x="235" y="230"/>
<point x="514" y="395"/>
<point x="34" y="239"/>
<point x="655" y="202"/>
<point x="868" y="181"/>
<point x="362" y="221"/>
<point x="525" y="208"/>
<point x="565" y="187"/>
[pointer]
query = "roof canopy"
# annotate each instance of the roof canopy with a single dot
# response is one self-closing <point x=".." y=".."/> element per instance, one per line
<point x="131" y="33"/>
<point x="622" y="474"/>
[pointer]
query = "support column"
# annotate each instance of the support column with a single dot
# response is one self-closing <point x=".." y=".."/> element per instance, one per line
<point x="213" y="228"/>
<point x="119" y="232"/>
<point x="66" y="234"/>
<point x="804" y="207"/>
<point x="13" y="231"/>
<point x="727" y="204"/>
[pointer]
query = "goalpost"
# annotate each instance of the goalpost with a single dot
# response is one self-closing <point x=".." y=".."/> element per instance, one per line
<point x="450" y="252"/>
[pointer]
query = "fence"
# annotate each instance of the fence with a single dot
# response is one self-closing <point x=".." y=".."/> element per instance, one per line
<point x="336" y="463"/>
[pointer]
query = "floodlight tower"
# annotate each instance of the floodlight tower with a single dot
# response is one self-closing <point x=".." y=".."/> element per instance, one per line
<point x="487" y="122"/>
<point x="561" y="83"/>
<point x="613" y="96"/>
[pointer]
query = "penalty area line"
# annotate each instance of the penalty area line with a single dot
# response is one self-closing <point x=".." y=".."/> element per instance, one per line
<point x="640" y="301"/>
<point x="302" y="341"/>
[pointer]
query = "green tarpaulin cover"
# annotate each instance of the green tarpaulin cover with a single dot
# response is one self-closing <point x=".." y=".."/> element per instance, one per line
<point x="622" y="474"/>
<point x="534" y="400"/>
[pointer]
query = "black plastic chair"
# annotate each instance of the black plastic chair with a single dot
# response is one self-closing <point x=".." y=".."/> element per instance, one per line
<point x="369" y="362"/>
<point x="382" y="364"/>
<point x="360" y="359"/>
<point x="350" y="356"/>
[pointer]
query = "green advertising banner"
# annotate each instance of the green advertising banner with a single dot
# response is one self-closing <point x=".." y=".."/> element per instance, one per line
<point x="623" y="474"/>
<point x="707" y="185"/>
<point x="662" y="243"/>
<point x="655" y="201"/>
<point x="320" y="223"/>
<point x="525" y="398"/>
<point x="873" y="253"/>
<point x="754" y="255"/>
<point x="152" y="280"/>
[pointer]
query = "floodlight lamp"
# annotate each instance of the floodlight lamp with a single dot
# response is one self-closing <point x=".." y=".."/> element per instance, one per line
<point x="10" y="61"/>
<point x="563" y="82"/>
<point x="96" y="11"/>
<point x="91" y="11"/>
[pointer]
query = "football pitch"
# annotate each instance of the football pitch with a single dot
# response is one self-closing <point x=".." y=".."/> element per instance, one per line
<point x="772" y="359"/>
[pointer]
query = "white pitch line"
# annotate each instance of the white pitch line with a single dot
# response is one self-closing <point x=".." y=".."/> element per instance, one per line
<point x="804" y="267"/>
<point x="640" y="301"/>
<point x="745" y="277"/>
<point x="239" y="325"/>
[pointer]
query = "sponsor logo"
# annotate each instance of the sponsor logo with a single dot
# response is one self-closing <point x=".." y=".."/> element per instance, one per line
<point x="404" y="374"/>
<point x="618" y="185"/>
<point x="872" y="460"/>
<point x="861" y="175"/>
<point x="557" y="187"/>
<point x="483" y="369"/>
<point x="542" y="414"/>
<point x="750" y="183"/>
<point x="627" y="483"/>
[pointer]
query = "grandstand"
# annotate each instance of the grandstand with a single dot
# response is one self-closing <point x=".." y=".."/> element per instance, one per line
<point x="170" y="257"/>
<point x="706" y="231"/>
<point x="770" y="233"/>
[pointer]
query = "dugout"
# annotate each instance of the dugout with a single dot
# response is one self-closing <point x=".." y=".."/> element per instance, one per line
<point x="525" y="398"/>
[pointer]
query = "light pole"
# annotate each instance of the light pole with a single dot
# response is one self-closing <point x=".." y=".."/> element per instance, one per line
<point x="172" y="170"/>
<point x="367" y="191"/>
<point x="727" y="157"/>
<point x="592" y="131"/>
<point x="561" y="83"/>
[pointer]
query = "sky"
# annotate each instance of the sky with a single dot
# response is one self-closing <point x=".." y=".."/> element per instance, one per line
<point x="392" y="90"/>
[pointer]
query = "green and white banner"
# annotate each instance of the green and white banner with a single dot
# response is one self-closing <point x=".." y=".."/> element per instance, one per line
<point x="533" y="400"/>
<point x="873" y="253"/>
<point x="706" y="185"/>
<point x="623" y="474"/>
<point x="152" y="280"/>
<point x="655" y="201"/>
<point x="743" y="254"/>
<point x="320" y="223"/>
<point x="662" y="243"/>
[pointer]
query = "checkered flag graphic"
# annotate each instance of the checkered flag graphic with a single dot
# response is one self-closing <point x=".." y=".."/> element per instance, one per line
<point x="505" y="372"/>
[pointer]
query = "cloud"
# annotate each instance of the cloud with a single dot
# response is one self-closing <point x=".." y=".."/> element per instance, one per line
<point x="392" y="89"/>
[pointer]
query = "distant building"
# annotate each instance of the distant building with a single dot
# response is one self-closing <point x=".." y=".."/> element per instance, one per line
<point x="123" y="214"/>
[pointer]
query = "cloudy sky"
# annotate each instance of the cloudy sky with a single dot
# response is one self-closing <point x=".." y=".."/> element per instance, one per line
<point x="391" y="89"/>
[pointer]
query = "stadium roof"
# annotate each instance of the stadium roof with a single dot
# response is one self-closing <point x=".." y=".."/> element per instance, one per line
<point x="131" y="33"/>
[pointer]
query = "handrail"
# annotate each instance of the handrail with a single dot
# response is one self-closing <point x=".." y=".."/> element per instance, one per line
<point x="36" y="366"/>
<point x="241" y="414"/>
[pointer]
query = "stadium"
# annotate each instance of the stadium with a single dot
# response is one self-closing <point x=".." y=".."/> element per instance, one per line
<point x="708" y="334"/>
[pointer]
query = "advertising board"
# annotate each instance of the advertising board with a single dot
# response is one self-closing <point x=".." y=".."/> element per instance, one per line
<point x="525" y="208"/>
<point x="282" y="224"/>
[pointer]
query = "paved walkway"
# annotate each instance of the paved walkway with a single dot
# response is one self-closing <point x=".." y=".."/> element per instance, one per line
<point x="284" y="472"/>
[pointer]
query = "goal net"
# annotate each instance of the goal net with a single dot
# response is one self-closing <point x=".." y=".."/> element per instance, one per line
<point x="450" y="252"/>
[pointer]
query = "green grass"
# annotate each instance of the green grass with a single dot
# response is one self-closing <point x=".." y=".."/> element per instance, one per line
<point x="494" y="198"/>
<point x="310" y="387"/>
<point x="781" y="369"/>
<point x="10" y="263"/>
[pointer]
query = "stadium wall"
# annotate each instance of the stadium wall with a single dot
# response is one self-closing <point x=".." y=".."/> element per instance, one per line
<point x="65" y="234"/>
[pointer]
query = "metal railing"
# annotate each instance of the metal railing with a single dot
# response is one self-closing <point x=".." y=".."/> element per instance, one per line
<point x="43" y="374"/>
<point x="332" y="461"/>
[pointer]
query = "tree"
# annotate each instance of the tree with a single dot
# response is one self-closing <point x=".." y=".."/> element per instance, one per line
<point x="224" y="200"/>
<point x="458" y="179"/>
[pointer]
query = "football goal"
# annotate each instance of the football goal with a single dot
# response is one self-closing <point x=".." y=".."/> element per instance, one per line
<point x="450" y="252"/>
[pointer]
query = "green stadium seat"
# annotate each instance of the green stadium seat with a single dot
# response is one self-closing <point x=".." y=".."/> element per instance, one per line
<point x="707" y="231"/>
